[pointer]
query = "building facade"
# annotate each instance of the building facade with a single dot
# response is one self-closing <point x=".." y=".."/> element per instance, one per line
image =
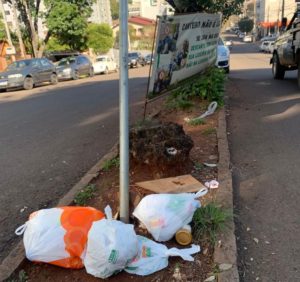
<point x="149" y="8"/>
<point x="269" y="14"/>
<point x="101" y="12"/>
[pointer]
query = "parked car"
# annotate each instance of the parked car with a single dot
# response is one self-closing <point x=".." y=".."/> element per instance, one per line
<point x="241" y="35"/>
<point x="149" y="59"/>
<point x="74" y="67"/>
<point x="223" y="56"/>
<point x="229" y="43"/>
<point x="28" y="73"/>
<point x="270" y="47"/>
<point x="104" y="64"/>
<point x="264" y="46"/>
<point x="248" y="38"/>
<point x="56" y="56"/>
<point x="135" y="59"/>
<point x="271" y="37"/>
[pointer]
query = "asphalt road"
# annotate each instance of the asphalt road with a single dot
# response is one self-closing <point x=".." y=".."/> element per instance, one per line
<point x="263" y="129"/>
<point x="51" y="136"/>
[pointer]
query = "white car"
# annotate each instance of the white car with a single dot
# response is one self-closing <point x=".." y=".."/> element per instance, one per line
<point x="270" y="47"/>
<point x="248" y="38"/>
<point x="104" y="64"/>
<point x="229" y="43"/>
<point x="264" y="46"/>
<point x="241" y="35"/>
<point x="223" y="56"/>
<point x="269" y="37"/>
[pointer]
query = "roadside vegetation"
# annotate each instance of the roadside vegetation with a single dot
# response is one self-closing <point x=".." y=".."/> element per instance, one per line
<point x="207" y="86"/>
<point x="115" y="162"/>
<point x="85" y="195"/>
<point x="208" y="221"/>
<point x="196" y="121"/>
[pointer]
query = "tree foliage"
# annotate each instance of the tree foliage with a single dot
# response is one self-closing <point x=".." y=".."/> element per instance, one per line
<point x="2" y="30"/>
<point x="246" y="24"/>
<point x="54" y="45"/>
<point x="226" y="7"/>
<point x="65" y="19"/>
<point x="114" y="7"/>
<point x="100" y="37"/>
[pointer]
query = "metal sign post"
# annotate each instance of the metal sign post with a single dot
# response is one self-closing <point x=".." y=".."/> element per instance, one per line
<point x="124" y="117"/>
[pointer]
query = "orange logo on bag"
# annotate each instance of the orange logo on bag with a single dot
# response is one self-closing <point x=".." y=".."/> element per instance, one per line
<point x="77" y="222"/>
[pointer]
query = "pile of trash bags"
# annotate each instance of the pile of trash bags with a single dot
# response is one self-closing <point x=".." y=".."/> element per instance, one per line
<point x="76" y="237"/>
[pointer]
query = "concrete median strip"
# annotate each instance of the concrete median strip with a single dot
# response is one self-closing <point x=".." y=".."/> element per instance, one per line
<point x="226" y="252"/>
<point x="17" y="256"/>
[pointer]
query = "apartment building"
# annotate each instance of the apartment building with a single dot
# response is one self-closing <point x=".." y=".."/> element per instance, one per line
<point x="149" y="8"/>
<point x="101" y="12"/>
<point x="8" y="11"/>
<point x="269" y="14"/>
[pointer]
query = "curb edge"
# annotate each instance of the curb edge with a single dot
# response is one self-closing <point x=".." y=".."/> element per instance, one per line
<point x="227" y="253"/>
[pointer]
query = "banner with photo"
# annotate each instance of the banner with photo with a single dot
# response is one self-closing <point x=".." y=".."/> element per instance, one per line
<point x="185" y="46"/>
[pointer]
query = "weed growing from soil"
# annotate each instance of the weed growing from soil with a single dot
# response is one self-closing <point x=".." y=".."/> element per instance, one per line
<point x="209" y="131"/>
<point x="208" y="221"/>
<point x="208" y="86"/>
<point x="22" y="277"/>
<point x="84" y="195"/>
<point x="115" y="162"/>
<point x="197" y="121"/>
<point x="198" y="166"/>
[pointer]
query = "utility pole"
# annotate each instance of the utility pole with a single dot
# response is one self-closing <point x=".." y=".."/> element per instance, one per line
<point x="18" y="31"/>
<point x="6" y="28"/>
<point x="282" y="10"/>
<point x="268" y="29"/>
<point x="255" y="19"/>
<point x="124" y="116"/>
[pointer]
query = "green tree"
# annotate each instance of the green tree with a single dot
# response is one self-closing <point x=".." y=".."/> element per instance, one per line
<point x="2" y="30"/>
<point x="100" y="37"/>
<point x="66" y="22"/>
<point x="227" y="7"/>
<point x="54" y="45"/>
<point x="114" y="7"/>
<point x="246" y="24"/>
<point x="65" y="19"/>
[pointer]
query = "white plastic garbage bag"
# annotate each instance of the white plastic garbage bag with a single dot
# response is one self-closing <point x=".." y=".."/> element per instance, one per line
<point x="164" y="214"/>
<point x="111" y="244"/>
<point x="58" y="235"/>
<point x="153" y="256"/>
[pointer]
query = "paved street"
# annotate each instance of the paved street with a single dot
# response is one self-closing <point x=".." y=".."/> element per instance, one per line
<point x="264" y="136"/>
<point x="51" y="136"/>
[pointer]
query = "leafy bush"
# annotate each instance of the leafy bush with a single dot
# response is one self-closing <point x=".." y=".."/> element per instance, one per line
<point x="208" y="86"/>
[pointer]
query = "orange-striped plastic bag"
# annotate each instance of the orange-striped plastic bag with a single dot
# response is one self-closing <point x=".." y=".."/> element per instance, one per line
<point x="59" y="235"/>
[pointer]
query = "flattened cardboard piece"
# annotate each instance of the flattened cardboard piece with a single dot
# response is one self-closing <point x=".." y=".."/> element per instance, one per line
<point x="172" y="185"/>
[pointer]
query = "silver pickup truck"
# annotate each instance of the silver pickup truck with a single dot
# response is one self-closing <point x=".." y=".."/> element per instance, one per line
<point x="286" y="54"/>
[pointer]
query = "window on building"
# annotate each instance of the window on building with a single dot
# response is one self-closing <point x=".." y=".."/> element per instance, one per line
<point x="7" y="13"/>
